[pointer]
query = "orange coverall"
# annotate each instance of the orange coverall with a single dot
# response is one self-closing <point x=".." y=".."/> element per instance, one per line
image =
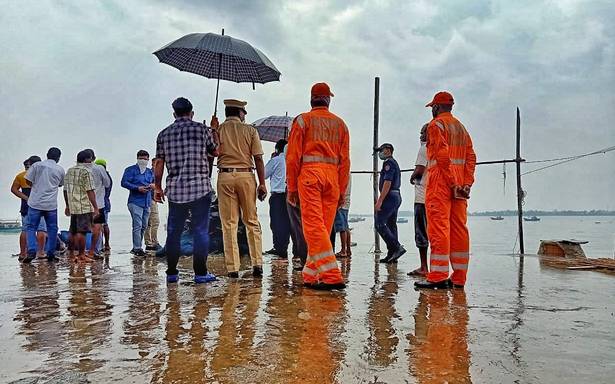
<point x="318" y="167"/>
<point x="451" y="162"/>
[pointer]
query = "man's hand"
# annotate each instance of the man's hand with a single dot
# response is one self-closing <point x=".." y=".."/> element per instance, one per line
<point x="412" y="179"/>
<point x="95" y="214"/>
<point x="293" y="198"/>
<point x="143" y="189"/>
<point x="158" y="195"/>
<point x="378" y="205"/>
<point x="151" y="187"/>
<point x="214" y="123"/>
<point x="67" y="211"/>
<point x="341" y="201"/>
<point x="261" y="192"/>
<point x="466" y="191"/>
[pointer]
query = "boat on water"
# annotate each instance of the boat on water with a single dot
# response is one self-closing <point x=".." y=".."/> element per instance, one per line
<point x="356" y="219"/>
<point x="10" y="225"/>
<point x="402" y="220"/>
<point x="533" y="218"/>
<point x="497" y="218"/>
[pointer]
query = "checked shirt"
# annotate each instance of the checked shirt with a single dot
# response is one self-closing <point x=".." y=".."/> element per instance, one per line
<point x="184" y="146"/>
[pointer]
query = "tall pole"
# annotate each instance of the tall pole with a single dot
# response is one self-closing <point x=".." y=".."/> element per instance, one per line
<point x="519" y="189"/>
<point x="375" y="158"/>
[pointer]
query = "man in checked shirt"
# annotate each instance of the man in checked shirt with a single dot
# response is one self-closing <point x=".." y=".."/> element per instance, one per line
<point x="184" y="147"/>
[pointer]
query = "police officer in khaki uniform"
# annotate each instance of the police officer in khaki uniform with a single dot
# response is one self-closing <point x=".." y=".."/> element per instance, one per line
<point x="240" y="152"/>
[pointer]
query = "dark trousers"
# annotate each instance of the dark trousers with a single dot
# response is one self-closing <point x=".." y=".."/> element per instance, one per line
<point x="386" y="221"/>
<point x="178" y="213"/>
<point x="279" y="222"/>
<point x="296" y="233"/>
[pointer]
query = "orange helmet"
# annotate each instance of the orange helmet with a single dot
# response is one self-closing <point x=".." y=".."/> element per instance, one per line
<point x="321" y="89"/>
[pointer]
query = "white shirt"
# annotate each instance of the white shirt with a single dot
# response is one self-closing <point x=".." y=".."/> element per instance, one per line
<point x="419" y="184"/>
<point x="46" y="177"/>
<point x="101" y="181"/>
<point x="275" y="170"/>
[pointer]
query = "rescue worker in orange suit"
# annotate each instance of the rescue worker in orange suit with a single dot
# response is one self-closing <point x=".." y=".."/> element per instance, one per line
<point x="450" y="174"/>
<point x="317" y="173"/>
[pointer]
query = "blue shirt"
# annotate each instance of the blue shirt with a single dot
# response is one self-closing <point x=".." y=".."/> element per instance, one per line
<point x="390" y="171"/>
<point x="275" y="170"/>
<point x="132" y="180"/>
<point x="108" y="194"/>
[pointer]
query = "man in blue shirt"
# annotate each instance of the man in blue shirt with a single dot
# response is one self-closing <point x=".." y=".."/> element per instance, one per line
<point x="139" y="179"/>
<point x="388" y="203"/>
<point x="275" y="171"/>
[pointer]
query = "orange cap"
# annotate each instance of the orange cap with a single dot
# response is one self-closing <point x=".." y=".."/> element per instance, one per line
<point x="442" y="98"/>
<point x="321" y="89"/>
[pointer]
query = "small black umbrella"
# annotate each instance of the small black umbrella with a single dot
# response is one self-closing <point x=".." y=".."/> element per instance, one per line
<point x="219" y="57"/>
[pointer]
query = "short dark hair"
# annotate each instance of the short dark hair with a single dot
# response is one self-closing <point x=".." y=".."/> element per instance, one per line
<point x="142" y="153"/>
<point x="232" y="111"/>
<point x="84" y="155"/>
<point x="54" y="153"/>
<point x="182" y="106"/>
<point x="319" y="101"/>
<point x="91" y="153"/>
<point x="26" y="162"/>
<point x="280" y="144"/>
<point x="33" y="159"/>
<point x="446" y="107"/>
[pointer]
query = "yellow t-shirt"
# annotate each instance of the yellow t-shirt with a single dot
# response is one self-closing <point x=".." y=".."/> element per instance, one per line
<point x="21" y="180"/>
<point x="239" y="143"/>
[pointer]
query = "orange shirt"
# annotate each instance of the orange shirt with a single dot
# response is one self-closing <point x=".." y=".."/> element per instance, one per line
<point x="318" y="138"/>
<point x="449" y="149"/>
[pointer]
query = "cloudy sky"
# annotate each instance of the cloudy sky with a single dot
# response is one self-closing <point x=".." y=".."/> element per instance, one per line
<point x="78" y="74"/>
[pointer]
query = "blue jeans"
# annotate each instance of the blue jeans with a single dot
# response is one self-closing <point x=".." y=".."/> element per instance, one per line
<point x="178" y="213"/>
<point x="386" y="221"/>
<point x="140" y="216"/>
<point x="51" y="219"/>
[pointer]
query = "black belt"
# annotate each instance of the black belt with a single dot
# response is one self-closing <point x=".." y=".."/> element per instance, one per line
<point x="228" y="170"/>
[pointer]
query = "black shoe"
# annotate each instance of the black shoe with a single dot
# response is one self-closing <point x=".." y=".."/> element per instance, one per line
<point x="257" y="271"/>
<point x="397" y="254"/>
<point x="327" y="287"/>
<point x="138" y="252"/>
<point x="298" y="267"/>
<point x="233" y="275"/>
<point x="52" y="259"/>
<point x="387" y="258"/>
<point x="28" y="259"/>
<point x="444" y="284"/>
<point x="272" y="251"/>
<point x="151" y="248"/>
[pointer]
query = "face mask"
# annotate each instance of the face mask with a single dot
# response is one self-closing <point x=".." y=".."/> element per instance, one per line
<point x="382" y="156"/>
<point x="142" y="163"/>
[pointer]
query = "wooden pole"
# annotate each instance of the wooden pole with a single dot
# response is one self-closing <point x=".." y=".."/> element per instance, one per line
<point x="375" y="158"/>
<point x="519" y="189"/>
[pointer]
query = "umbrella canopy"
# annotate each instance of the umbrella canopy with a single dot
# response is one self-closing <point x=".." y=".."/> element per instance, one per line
<point x="273" y="128"/>
<point x="219" y="57"/>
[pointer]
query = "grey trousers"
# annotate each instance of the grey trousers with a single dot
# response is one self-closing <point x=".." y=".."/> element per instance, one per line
<point x="296" y="233"/>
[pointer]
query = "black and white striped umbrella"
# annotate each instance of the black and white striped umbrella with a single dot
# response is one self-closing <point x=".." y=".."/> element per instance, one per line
<point x="219" y="57"/>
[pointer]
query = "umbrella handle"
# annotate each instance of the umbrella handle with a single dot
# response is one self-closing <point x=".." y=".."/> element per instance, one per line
<point x="218" y="83"/>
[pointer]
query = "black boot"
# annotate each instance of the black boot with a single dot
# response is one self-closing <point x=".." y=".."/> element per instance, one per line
<point x="444" y="284"/>
<point x="257" y="271"/>
<point x="397" y="254"/>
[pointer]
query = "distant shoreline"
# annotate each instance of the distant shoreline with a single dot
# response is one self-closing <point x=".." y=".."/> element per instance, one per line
<point x="514" y="213"/>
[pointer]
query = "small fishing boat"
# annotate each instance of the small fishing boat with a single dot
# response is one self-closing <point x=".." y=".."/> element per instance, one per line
<point x="533" y="218"/>
<point x="356" y="219"/>
<point x="10" y="225"/>
<point x="497" y="218"/>
<point x="402" y="220"/>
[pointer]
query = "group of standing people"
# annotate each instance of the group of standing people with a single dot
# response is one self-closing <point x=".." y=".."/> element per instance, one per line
<point x="309" y="201"/>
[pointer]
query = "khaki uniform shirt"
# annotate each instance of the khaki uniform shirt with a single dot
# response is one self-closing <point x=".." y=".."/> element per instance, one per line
<point x="239" y="143"/>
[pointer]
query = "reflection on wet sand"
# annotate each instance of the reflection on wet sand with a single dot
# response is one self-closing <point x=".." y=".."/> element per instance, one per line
<point x="438" y="350"/>
<point x="382" y="342"/>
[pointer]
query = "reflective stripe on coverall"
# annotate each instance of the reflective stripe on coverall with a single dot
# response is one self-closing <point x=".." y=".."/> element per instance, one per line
<point x="318" y="167"/>
<point x="451" y="162"/>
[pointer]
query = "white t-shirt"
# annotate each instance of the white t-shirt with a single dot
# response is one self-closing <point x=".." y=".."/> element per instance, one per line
<point x="46" y="177"/>
<point x="419" y="184"/>
<point x="101" y="181"/>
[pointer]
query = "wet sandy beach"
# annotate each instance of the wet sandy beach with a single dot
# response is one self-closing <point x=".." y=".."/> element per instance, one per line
<point x="117" y="321"/>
